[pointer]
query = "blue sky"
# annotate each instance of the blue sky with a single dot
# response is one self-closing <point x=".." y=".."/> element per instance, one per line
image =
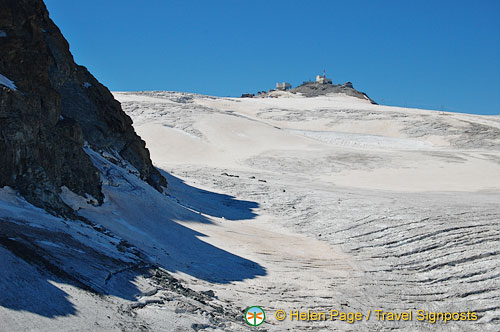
<point x="426" y="54"/>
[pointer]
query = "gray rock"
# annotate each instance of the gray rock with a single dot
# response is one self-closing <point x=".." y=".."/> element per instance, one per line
<point x="42" y="150"/>
<point x="314" y="89"/>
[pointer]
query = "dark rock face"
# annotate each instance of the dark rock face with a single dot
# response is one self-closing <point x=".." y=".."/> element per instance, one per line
<point x="57" y="106"/>
<point x="313" y="89"/>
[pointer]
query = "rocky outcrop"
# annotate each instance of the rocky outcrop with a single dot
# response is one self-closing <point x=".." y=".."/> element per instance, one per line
<point x="52" y="107"/>
<point x="313" y="89"/>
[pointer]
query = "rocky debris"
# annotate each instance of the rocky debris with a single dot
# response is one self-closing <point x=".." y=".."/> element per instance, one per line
<point x="221" y="314"/>
<point x="199" y="327"/>
<point x="314" y="89"/>
<point x="209" y="293"/>
<point x="230" y="175"/>
<point x="247" y="95"/>
<point x="56" y="107"/>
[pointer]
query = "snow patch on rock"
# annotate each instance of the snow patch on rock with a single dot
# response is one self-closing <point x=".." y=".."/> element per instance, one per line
<point x="6" y="82"/>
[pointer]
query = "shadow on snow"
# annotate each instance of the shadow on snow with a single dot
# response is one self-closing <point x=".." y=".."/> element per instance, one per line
<point x="210" y="203"/>
<point x="145" y="219"/>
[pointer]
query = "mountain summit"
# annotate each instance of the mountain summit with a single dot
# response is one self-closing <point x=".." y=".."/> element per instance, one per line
<point x="314" y="89"/>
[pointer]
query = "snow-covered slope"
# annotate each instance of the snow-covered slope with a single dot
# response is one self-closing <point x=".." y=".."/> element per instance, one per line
<point x="343" y="140"/>
<point x="396" y="208"/>
<point x="108" y="271"/>
<point x="287" y="203"/>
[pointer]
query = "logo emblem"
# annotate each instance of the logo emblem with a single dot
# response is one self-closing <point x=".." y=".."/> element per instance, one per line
<point x="254" y="316"/>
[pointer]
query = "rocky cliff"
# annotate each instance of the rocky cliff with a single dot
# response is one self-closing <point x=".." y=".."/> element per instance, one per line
<point x="49" y="108"/>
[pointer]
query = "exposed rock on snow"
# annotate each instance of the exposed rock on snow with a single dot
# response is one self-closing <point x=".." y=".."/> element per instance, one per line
<point x="314" y="89"/>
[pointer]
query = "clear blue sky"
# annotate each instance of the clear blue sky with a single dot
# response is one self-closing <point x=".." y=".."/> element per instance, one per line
<point x="427" y="54"/>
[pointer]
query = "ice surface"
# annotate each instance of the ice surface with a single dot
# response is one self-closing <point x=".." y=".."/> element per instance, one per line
<point x="360" y="206"/>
